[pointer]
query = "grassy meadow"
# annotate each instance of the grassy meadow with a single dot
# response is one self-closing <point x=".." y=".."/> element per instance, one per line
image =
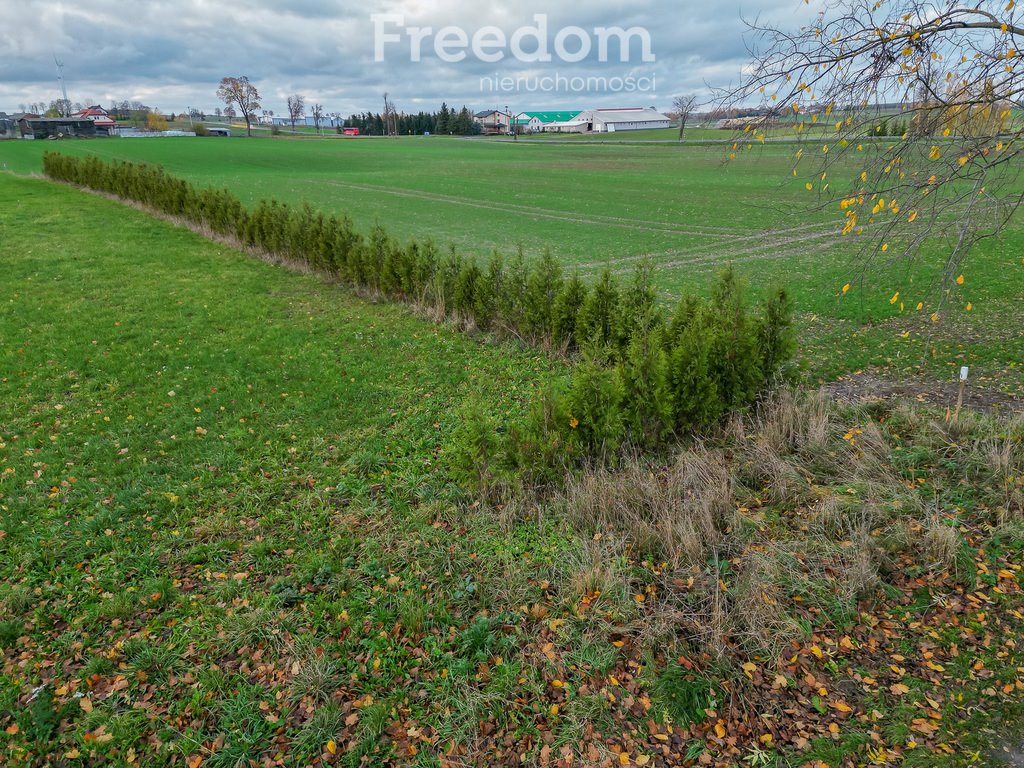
<point x="229" y="534"/>
<point x="600" y="205"/>
<point x="184" y="458"/>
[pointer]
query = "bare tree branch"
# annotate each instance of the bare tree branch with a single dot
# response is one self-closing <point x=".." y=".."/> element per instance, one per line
<point x="296" y="108"/>
<point x="902" y="118"/>
<point x="683" y="106"/>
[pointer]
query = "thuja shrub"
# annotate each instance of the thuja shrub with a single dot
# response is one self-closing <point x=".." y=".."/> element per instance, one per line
<point x="544" y="283"/>
<point x="597" y="318"/>
<point x="645" y="381"/>
<point x="565" y="312"/>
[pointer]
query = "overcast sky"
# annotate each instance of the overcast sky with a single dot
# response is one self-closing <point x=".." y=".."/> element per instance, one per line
<point x="171" y="53"/>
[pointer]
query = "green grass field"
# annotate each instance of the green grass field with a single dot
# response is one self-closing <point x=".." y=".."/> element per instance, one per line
<point x="228" y="536"/>
<point x="603" y="205"/>
<point x="186" y="460"/>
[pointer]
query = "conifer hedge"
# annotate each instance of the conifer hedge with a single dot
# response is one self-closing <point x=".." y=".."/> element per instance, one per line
<point x="643" y="378"/>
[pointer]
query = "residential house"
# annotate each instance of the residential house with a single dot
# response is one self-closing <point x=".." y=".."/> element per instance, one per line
<point x="492" y="122"/>
<point x="100" y="118"/>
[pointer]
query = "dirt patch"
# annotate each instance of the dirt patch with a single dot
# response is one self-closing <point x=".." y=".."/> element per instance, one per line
<point x="868" y="387"/>
<point x="1010" y="756"/>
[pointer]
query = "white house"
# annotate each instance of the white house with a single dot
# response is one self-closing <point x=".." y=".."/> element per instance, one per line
<point x="99" y="116"/>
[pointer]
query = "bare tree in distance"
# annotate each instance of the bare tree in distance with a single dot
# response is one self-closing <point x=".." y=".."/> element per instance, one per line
<point x="684" y="106"/>
<point x="318" y="115"/>
<point x="390" y="117"/>
<point x="296" y="108"/>
<point x="239" y="92"/>
<point x="902" y="111"/>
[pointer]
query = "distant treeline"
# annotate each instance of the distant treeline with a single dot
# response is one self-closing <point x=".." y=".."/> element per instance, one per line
<point x="645" y="377"/>
<point x="444" y="121"/>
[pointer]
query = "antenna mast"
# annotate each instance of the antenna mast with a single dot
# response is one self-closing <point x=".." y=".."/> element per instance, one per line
<point x="60" y="79"/>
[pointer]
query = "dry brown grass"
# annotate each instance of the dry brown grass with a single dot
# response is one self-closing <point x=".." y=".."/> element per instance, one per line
<point x="871" y="455"/>
<point x="939" y="543"/>
<point x="771" y="474"/>
<point x="831" y="514"/>
<point x="1004" y="457"/>
<point x="597" y="569"/>
<point x="790" y="421"/>
<point x="674" y="513"/>
<point x="758" y="618"/>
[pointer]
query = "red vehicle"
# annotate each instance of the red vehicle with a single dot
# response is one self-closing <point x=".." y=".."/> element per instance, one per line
<point x="350" y="131"/>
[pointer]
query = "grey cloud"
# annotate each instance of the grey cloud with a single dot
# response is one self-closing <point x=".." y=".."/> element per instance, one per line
<point x="172" y="54"/>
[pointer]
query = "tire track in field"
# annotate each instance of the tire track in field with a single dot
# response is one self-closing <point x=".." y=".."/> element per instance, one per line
<point x="763" y="239"/>
<point x="619" y="222"/>
<point x="778" y="248"/>
<point x="703" y="255"/>
<point x="753" y="254"/>
<point x="715" y="250"/>
<point x="769" y="251"/>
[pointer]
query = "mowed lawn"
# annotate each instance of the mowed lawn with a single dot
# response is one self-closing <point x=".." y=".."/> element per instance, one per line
<point x="595" y="205"/>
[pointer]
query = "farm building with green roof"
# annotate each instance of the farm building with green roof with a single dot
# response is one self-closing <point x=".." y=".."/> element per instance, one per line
<point x="536" y="121"/>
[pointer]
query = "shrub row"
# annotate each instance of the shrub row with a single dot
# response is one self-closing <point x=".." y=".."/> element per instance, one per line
<point x="534" y="302"/>
<point x="661" y="379"/>
<point x="643" y="379"/>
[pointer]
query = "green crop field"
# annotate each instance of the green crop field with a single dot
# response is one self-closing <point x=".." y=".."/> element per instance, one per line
<point x="610" y="205"/>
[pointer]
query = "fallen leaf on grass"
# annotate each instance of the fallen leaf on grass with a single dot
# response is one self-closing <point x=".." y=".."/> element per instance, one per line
<point x="923" y="725"/>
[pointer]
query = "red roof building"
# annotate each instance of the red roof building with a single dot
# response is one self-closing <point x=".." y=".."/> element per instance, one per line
<point x="98" y="115"/>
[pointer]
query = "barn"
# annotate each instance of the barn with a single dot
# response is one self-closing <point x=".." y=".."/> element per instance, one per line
<point x="56" y="127"/>
<point x="538" y="121"/>
<point x="8" y="126"/>
<point x="625" y="119"/>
